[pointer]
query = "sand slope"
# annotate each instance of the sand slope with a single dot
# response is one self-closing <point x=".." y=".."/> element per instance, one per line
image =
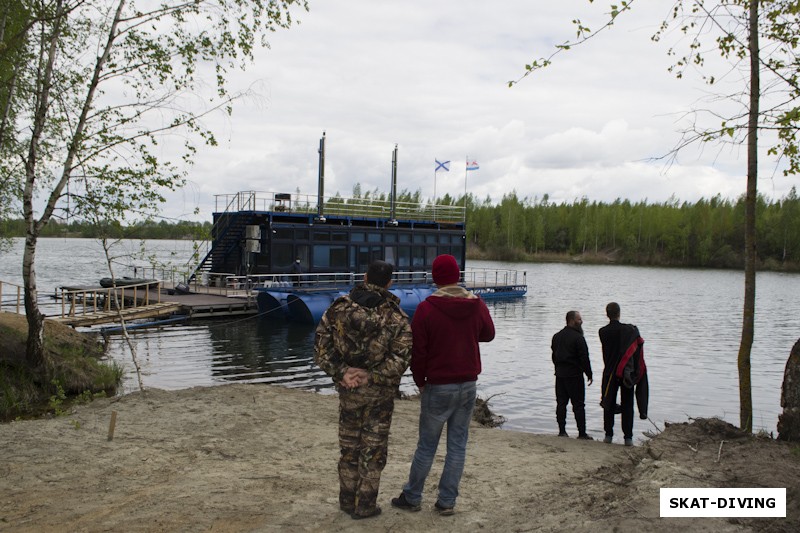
<point x="263" y="458"/>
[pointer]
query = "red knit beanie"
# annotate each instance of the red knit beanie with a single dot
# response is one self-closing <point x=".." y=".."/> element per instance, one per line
<point x="445" y="270"/>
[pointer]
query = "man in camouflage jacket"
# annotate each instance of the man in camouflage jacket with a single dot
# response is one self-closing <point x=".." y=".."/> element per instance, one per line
<point x="364" y="343"/>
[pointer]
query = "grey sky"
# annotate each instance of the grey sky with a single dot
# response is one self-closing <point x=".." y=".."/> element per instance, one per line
<point x="432" y="78"/>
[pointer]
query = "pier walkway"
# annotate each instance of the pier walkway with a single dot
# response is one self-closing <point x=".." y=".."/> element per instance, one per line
<point x="92" y="305"/>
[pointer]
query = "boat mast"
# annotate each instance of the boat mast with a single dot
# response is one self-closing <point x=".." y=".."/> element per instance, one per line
<point x="392" y="219"/>
<point x="321" y="182"/>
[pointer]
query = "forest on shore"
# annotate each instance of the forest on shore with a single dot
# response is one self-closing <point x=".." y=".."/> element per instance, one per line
<point x="149" y="229"/>
<point x="708" y="233"/>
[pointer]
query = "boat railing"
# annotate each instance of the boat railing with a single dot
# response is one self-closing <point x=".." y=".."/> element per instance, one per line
<point x="15" y="300"/>
<point x="326" y="281"/>
<point x="80" y="301"/>
<point x="230" y="284"/>
<point x="322" y="281"/>
<point x="337" y="205"/>
<point x="487" y="277"/>
<point x="166" y="273"/>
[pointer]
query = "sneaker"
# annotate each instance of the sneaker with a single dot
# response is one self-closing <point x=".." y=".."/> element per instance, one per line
<point x="563" y="434"/>
<point x="402" y="503"/>
<point x="628" y="442"/>
<point x="608" y="439"/>
<point x="585" y="436"/>
<point x="374" y="512"/>
<point x="442" y="510"/>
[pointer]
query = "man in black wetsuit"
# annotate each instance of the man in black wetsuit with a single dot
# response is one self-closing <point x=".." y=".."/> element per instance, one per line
<point x="611" y="339"/>
<point x="571" y="360"/>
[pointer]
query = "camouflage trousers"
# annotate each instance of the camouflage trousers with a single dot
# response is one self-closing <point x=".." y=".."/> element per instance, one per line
<point x="364" y="422"/>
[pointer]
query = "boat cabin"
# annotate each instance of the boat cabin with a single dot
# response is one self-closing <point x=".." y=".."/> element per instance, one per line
<point x="266" y="233"/>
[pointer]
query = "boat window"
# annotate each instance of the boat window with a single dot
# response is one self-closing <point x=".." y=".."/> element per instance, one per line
<point x="322" y="236"/>
<point x="418" y="256"/>
<point x="339" y="236"/>
<point x="444" y="238"/>
<point x="430" y="238"/>
<point x="444" y="250"/>
<point x="366" y="255"/>
<point x="419" y="238"/>
<point x="301" y="234"/>
<point x="404" y="237"/>
<point x="390" y="237"/>
<point x="328" y="256"/>
<point x="403" y="256"/>
<point x="390" y="255"/>
<point x="362" y="259"/>
<point x="456" y="251"/>
<point x="430" y="254"/>
<point x="357" y="236"/>
<point x="376" y="253"/>
<point x="373" y="237"/>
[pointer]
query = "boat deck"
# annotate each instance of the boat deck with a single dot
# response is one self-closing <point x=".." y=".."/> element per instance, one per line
<point x="83" y="305"/>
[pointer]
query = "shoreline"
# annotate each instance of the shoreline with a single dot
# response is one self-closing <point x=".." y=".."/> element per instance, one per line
<point x="244" y="457"/>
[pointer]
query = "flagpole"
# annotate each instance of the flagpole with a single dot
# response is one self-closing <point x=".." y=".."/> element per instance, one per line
<point x="434" y="188"/>
<point x="466" y="172"/>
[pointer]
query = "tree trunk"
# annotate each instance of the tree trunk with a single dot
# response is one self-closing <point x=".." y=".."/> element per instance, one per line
<point x="789" y="420"/>
<point x="748" y="316"/>
<point x="35" y="346"/>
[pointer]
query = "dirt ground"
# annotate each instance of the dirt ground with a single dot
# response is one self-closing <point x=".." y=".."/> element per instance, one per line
<point x="240" y="458"/>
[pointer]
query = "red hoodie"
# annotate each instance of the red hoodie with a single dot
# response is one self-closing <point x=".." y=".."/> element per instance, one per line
<point x="447" y="330"/>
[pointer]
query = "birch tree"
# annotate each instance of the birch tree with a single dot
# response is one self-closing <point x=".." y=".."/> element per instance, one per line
<point x="100" y="86"/>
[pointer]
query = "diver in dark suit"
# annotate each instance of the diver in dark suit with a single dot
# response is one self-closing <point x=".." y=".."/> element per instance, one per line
<point x="611" y="340"/>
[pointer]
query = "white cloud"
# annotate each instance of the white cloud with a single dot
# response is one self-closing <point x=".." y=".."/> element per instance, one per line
<point x="431" y="77"/>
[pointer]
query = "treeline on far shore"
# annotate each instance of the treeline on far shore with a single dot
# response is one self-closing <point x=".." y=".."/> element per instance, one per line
<point x="706" y="233"/>
<point x="162" y="229"/>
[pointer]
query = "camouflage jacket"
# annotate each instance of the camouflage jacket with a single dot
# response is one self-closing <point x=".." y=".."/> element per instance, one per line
<point x="365" y="329"/>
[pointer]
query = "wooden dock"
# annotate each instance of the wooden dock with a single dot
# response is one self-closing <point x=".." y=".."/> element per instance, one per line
<point x="113" y="315"/>
<point x="211" y="305"/>
<point x="89" y="305"/>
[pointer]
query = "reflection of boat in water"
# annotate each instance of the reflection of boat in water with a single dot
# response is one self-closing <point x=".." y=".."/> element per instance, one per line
<point x="258" y="237"/>
<point x="126" y="281"/>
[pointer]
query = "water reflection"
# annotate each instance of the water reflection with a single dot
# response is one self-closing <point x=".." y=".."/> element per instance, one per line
<point x="261" y="350"/>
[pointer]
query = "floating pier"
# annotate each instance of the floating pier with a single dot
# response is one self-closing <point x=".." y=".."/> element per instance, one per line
<point x="92" y="305"/>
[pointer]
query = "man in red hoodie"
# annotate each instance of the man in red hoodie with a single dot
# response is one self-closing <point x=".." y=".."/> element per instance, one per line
<point x="445" y="361"/>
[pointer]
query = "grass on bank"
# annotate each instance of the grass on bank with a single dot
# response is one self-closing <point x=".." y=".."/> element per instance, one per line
<point x="75" y="371"/>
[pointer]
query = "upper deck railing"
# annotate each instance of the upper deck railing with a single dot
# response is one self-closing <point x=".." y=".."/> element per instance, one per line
<point x="337" y="205"/>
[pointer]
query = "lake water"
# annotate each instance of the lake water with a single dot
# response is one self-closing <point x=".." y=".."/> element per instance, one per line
<point x="690" y="320"/>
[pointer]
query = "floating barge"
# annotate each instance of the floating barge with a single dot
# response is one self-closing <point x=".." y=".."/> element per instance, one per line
<point x="298" y="253"/>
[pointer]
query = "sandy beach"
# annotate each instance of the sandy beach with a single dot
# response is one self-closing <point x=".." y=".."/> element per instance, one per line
<point x="238" y="458"/>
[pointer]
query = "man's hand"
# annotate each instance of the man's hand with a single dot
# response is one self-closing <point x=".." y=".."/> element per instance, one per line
<point x="354" y="378"/>
<point x="590" y="381"/>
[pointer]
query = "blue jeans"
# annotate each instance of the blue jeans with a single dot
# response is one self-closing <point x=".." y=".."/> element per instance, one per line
<point x="452" y="404"/>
